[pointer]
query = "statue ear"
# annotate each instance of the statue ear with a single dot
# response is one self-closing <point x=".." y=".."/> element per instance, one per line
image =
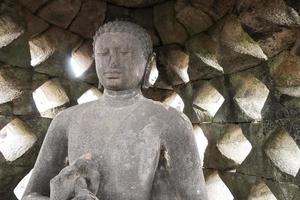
<point x="151" y="72"/>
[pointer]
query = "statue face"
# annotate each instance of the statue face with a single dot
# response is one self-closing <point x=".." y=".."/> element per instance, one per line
<point x="120" y="63"/>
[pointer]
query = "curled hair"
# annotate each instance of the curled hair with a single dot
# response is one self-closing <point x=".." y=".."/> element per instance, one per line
<point x="127" y="27"/>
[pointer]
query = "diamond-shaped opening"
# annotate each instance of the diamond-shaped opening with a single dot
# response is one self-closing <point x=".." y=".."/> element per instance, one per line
<point x="261" y="191"/>
<point x="91" y="94"/>
<point x="208" y="98"/>
<point x="20" y="188"/>
<point x="284" y="152"/>
<point x="15" y="139"/>
<point x="216" y="188"/>
<point x="50" y="95"/>
<point x="175" y="101"/>
<point x="201" y="142"/>
<point x="82" y="59"/>
<point x="153" y="76"/>
<point x="9" y="30"/>
<point x="251" y="95"/>
<point x="233" y="144"/>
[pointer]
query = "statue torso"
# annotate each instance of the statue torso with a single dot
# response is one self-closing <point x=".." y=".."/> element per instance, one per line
<point x="126" y="142"/>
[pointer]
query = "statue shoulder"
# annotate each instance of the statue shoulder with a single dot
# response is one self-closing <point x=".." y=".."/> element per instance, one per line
<point x="69" y="114"/>
<point x="169" y="114"/>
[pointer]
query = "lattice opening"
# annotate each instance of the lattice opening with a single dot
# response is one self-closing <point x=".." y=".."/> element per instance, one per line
<point x="201" y="142"/>
<point x="208" y="98"/>
<point x="90" y="95"/>
<point x="284" y="152"/>
<point x="15" y="139"/>
<point x="82" y="59"/>
<point x="216" y="188"/>
<point x="234" y="145"/>
<point x="175" y="101"/>
<point x="20" y="188"/>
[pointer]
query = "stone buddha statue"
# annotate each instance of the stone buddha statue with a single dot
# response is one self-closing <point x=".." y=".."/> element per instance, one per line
<point x="122" y="146"/>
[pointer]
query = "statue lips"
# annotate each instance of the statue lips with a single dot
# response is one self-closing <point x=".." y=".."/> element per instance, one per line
<point x="112" y="74"/>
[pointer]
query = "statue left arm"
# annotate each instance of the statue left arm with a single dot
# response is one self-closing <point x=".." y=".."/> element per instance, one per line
<point x="184" y="166"/>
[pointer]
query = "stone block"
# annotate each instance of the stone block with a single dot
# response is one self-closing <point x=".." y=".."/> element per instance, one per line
<point x="194" y="19"/>
<point x="33" y="5"/>
<point x="15" y="139"/>
<point x="91" y="94"/>
<point x="35" y="25"/>
<point x="89" y="18"/>
<point x="173" y="62"/>
<point x="13" y="82"/>
<point x="134" y="3"/>
<point x="203" y="52"/>
<point x="50" y="98"/>
<point x="50" y="51"/>
<point x="285" y="72"/>
<point x="170" y="31"/>
<point x="60" y="12"/>
<point x="250" y="95"/>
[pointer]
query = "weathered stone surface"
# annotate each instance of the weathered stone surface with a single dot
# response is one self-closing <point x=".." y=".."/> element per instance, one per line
<point x="277" y="42"/>
<point x="74" y="89"/>
<point x="60" y="12"/>
<point x="35" y="25"/>
<point x="50" y="51"/>
<point x="233" y="144"/>
<point x="235" y="38"/>
<point x="285" y="71"/>
<point x="284" y="152"/>
<point x="194" y="20"/>
<point x="13" y="82"/>
<point x="13" y="39"/>
<point x="170" y="31"/>
<point x="134" y="3"/>
<point x="33" y="5"/>
<point x="175" y="63"/>
<point x="89" y="18"/>
<point x="250" y="94"/>
<point x="49" y="96"/>
<point x="207" y="101"/>
<point x="261" y="191"/>
<point x="9" y="30"/>
<point x="15" y="139"/>
<point x="214" y="8"/>
<point x="24" y="105"/>
<point x="204" y="55"/>
<point x="157" y="94"/>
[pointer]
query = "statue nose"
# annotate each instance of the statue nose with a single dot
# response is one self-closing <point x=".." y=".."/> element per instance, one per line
<point x="114" y="59"/>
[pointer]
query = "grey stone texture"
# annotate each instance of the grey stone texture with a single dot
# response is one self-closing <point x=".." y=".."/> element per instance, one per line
<point x="247" y="51"/>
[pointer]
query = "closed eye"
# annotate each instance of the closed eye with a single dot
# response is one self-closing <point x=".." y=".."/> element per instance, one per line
<point x="103" y="53"/>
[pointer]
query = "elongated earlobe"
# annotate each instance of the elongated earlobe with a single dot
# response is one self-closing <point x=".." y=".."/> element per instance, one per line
<point x="151" y="72"/>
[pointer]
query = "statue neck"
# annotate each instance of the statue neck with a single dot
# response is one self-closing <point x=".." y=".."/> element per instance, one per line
<point x="122" y="98"/>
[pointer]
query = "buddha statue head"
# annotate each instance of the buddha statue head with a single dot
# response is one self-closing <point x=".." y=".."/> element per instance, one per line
<point x="123" y="56"/>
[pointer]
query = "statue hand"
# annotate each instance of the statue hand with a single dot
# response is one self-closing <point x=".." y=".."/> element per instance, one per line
<point x="77" y="175"/>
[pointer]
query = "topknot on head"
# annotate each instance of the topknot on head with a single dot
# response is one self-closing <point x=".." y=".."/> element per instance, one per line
<point x="127" y="27"/>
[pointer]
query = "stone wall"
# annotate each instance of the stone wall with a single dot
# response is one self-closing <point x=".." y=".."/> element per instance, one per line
<point x="232" y="66"/>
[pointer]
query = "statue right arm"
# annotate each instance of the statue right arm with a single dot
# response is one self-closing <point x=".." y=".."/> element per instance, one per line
<point x="50" y="160"/>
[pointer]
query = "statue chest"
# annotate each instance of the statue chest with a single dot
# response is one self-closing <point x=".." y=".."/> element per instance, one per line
<point x="126" y="147"/>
